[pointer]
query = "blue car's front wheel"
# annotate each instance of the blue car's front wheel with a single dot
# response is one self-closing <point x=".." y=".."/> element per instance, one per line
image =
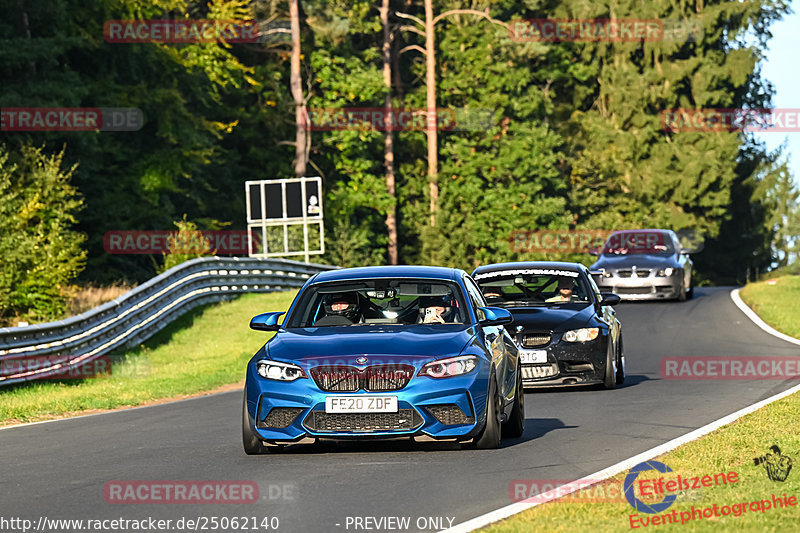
<point x="489" y="438"/>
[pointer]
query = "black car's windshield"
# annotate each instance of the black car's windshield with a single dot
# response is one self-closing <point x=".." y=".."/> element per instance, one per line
<point x="533" y="287"/>
<point x="639" y="242"/>
<point x="379" y="301"/>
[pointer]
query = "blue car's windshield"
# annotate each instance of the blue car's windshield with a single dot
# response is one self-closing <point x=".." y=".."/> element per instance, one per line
<point x="379" y="301"/>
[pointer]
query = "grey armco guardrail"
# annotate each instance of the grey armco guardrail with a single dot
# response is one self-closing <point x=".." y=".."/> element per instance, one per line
<point x="50" y="350"/>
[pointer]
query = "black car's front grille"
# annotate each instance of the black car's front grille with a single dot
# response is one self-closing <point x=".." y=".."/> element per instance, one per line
<point x="375" y="378"/>
<point x="534" y="339"/>
<point x="403" y="420"/>
<point x="280" y="417"/>
<point x="449" y="414"/>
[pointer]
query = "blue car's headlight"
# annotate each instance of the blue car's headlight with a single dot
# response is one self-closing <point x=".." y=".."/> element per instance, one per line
<point x="665" y="272"/>
<point x="279" y="371"/>
<point x="581" y="335"/>
<point x="452" y="366"/>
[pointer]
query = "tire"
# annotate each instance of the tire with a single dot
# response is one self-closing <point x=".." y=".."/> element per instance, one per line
<point x="489" y="437"/>
<point x="682" y="292"/>
<point x="515" y="426"/>
<point x="690" y="294"/>
<point x="620" y="362"/>
<point x="610" y="379"/>
<point x="252" y="444"/>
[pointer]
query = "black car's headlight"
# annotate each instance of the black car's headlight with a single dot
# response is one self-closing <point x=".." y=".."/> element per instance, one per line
<point x="279" y="371"/>
<point x="452" y="366"/>
<point x="581" y="335"/>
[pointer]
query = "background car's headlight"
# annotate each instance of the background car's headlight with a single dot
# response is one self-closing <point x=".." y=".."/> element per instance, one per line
<point x="279" y="371"/>
<point x="665" y="272"/>
<point x="452" y="366"/>
<point x="606" y="273"/>
<point x="581" y="335"/>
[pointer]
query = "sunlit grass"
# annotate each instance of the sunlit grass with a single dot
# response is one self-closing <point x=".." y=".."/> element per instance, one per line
<point x="778" y="304"/>
<point x="203" y="350"/>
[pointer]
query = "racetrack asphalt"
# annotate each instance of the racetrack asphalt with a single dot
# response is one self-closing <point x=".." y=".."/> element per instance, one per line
<point x="58" y="469"/>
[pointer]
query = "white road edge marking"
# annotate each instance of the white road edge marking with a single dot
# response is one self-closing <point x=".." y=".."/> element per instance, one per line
<point x="569" y="488"/>
<point x="757" y="319"/>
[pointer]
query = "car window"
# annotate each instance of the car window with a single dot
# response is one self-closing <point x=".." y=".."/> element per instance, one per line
<point x="379" y="301"/>
<point x="639" y="242"/>
<point x="476" y="298"/>
<point x="533" y="287"/>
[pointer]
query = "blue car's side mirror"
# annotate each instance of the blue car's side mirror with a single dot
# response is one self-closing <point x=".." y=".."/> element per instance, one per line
<point x="609" y="298"/>
<point x="495" y="316"/>
<point x="266" y="321"/>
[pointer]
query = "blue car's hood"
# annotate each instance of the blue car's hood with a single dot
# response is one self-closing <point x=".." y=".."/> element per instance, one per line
<point x="342" y="345"/>
<point x="638" y="260"/>
<point x="560" y="318"/>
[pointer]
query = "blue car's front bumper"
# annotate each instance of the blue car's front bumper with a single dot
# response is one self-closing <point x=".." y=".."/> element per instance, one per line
<point x="298" y="409"/>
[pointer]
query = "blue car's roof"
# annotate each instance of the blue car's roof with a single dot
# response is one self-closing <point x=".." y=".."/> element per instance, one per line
<point x="559" y="265"/>
<point x="399" y="271"/>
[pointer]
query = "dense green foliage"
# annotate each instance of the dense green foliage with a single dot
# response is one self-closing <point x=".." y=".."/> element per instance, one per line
<point x="575" y="138"/>
<point x="40" y="252"/>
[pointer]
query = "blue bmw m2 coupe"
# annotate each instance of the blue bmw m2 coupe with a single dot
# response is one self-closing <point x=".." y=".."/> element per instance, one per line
<point x="384" y="352"/>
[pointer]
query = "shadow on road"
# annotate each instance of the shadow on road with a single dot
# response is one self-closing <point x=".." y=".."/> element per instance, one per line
<point x="631" y="380"/>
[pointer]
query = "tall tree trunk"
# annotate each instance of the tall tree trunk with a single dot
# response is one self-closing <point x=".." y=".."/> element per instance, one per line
<point x="388" y="157"/>
<point x="433" y="137"/>
<point x="301" y="146"/>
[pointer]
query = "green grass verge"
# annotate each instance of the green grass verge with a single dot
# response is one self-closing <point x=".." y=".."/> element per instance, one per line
<point x="730" y="448"/>
<point x="203" y="350"/>
<point x="778" y="304"/>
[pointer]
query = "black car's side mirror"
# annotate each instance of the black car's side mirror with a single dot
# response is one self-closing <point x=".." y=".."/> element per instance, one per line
<point x="609" y="298"/>
<point x="266" y="322"/>
<point x="495" y="316"/>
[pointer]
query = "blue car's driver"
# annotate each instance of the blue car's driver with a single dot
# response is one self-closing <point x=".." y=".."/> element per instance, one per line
<point x="340" y="310"/>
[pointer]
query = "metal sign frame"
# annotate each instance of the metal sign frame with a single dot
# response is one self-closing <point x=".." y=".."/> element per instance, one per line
<point x="307" y="219"/>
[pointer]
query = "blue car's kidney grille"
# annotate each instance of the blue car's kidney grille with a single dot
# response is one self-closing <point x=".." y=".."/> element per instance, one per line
<point x="375" y="378"/>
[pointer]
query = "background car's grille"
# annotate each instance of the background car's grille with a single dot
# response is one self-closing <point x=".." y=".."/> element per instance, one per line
<point x="449" y="414"/>
<point x="640" y="273"/>
<point x="632" y="290"/>
<point x="539" y="371"/>
<point x="537" y="338"/>
<point x="375" y="378"/>
<point x="280" y="417"/>
<point x="404" y="419"/>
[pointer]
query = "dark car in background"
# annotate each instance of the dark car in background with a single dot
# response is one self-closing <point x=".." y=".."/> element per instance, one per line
<point x="567" y="332"/>
<point x="646" y="264"/>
